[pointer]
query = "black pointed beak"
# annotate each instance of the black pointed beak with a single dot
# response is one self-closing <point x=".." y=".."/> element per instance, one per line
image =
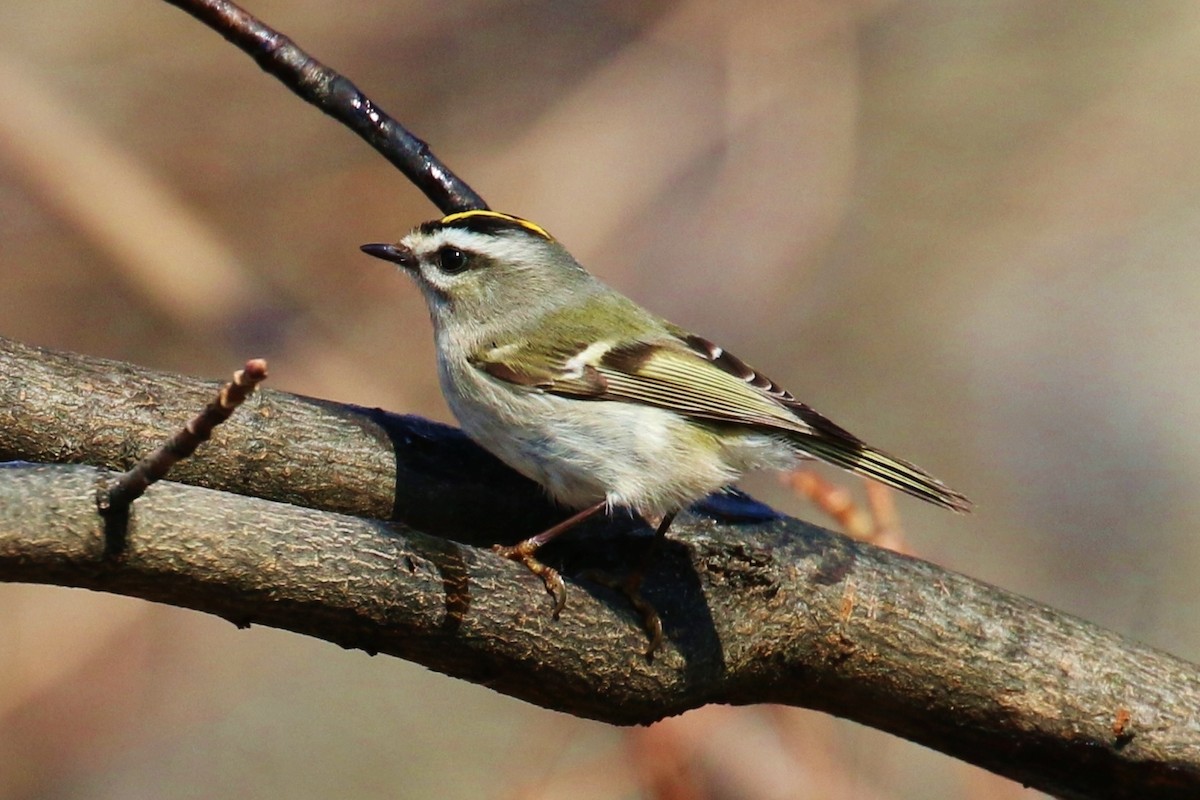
<point x="397" y="254"/>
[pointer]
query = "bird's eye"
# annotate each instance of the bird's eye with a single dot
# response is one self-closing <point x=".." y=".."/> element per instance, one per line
<point x="451" y="260"/>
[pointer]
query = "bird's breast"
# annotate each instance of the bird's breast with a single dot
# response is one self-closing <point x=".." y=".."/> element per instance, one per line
<point x="583" y="451"/>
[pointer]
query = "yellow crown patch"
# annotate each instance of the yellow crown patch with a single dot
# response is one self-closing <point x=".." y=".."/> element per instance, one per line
<point x="465" y="216"/>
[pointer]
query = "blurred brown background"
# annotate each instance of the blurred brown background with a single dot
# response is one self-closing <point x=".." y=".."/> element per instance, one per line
<point x="967" y="231"/>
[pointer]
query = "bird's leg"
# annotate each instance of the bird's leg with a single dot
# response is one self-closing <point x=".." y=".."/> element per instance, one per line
<point x="524" y="551"/>
<point x="631" y="585"/>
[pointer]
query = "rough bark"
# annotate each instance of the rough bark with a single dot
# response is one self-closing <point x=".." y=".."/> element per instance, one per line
<point x="757" y="608"/>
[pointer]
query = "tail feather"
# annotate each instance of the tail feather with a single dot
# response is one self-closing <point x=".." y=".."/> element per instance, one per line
<point x="861" y="459"/>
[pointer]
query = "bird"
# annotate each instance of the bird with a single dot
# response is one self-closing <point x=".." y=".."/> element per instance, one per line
<point x="602" y="403"/>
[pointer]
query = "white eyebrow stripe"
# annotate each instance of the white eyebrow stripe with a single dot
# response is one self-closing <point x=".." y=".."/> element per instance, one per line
<point x="504" y="248"/>
<point x="467" y="240"/>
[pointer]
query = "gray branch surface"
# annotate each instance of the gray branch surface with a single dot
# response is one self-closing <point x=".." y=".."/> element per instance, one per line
<point x="320" y="519"/>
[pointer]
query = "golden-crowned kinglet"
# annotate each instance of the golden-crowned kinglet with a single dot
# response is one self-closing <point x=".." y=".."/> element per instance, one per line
<point x="602" y="403"/>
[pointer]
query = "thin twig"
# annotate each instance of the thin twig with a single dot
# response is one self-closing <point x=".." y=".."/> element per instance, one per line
<point x="834" y="500"/>
<point x="877" y="524"/>
<point x="334" y="94"/>
<point x="886" y="528"/>
<point x="154" y="467"/>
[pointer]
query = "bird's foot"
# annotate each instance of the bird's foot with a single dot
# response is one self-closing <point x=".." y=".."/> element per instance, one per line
<point x="523" y="552"/>
<point x="631" y="587"/>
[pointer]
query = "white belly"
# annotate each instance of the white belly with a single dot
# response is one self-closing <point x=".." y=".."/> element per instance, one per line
<point x="584" y="451"/>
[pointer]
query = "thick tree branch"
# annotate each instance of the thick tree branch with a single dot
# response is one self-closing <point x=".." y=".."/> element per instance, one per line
<point x="764" y="609"/>
<point x="65" y="408"/>
<point x="771" y="611"/>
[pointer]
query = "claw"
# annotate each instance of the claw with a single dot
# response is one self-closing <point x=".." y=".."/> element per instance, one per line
<point x="523" y="552"/>
<point x="651" y="621"/>
<point x="631" y="587"/>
